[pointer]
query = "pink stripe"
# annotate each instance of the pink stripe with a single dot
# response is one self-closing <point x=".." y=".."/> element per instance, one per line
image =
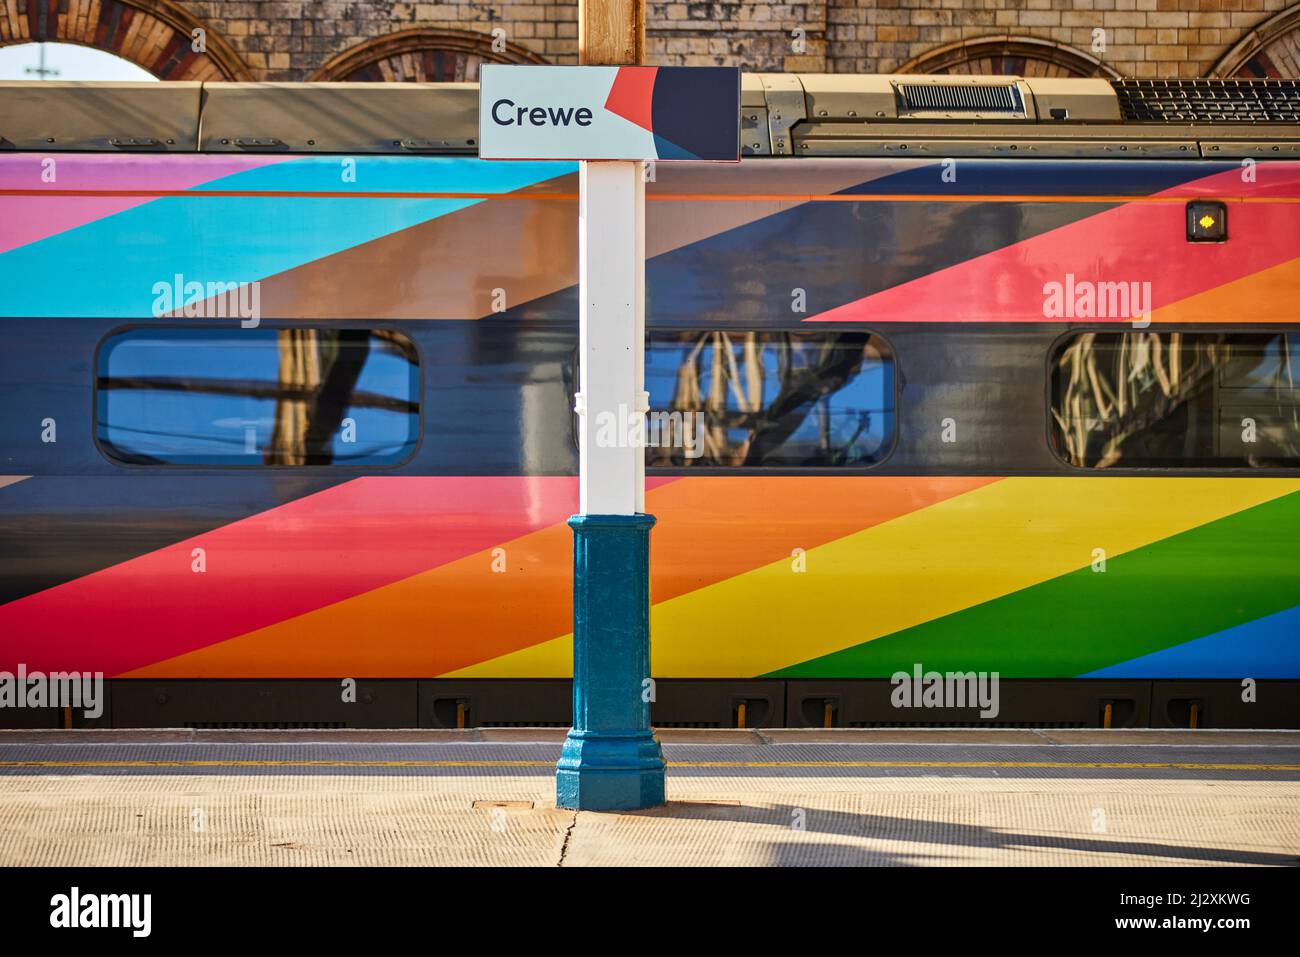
<point x="1136" y="242"/>
<point x="28" y="219"/>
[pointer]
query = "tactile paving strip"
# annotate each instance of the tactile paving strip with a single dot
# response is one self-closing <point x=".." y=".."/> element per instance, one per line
<point x="809" y="760"/>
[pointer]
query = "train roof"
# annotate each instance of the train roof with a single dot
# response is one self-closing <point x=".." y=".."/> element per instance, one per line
<point x="781" y="115"/>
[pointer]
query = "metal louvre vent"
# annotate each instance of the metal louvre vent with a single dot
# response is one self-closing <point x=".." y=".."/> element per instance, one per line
<point x="960" y="98"/>
<point x="1209" y="101"/>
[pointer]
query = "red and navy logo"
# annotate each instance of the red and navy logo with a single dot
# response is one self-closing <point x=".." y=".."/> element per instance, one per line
<point x="680" y="106"/>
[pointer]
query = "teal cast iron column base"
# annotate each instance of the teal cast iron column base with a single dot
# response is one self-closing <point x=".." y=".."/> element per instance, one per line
<point x="611" y="759"/>
<point x="599" y="771"/>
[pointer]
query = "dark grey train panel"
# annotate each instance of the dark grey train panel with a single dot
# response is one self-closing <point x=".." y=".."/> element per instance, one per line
<point x="679" y="703"/>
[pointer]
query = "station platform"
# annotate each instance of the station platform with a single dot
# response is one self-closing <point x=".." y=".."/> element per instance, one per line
<point x="736" y="797"/>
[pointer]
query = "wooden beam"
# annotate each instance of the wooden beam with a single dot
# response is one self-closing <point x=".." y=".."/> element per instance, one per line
<point x="611" y="32"/>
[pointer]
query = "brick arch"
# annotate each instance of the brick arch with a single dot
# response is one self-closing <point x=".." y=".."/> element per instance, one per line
<point x="156" y="35"/>
<point x="1008" y="56"/>
<point x="1270" y="50"/>
<point x="422" y="55"/>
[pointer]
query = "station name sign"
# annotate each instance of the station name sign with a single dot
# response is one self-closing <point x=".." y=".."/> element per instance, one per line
<point x="609" y="113"/>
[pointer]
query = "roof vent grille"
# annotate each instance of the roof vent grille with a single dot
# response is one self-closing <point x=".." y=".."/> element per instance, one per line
<point x="1209" y="101"/>
<point x="960" y="98"/>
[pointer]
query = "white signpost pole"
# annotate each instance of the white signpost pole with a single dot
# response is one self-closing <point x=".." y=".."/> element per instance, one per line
<point x="611" y="317"/>
<point x="611" y="119"/>
<point x="611" y="758"/>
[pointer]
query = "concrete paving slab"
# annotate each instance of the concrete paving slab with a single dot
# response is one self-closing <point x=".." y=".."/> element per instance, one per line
<point x="326" y="799"/>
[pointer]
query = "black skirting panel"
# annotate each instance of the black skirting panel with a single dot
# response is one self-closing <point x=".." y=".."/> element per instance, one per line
<point x="678" y="703"/>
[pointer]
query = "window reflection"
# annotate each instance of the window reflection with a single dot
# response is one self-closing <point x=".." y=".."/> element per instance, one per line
<point x="298" y="396"/>
<point x="1177" y="399"/>
<point x="747" y="399"/>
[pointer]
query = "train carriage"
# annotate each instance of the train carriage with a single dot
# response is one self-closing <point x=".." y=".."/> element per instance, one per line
<point x="948" y="375"/>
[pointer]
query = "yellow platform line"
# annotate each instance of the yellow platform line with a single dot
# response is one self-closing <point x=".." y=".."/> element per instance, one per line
<point x="296" y="763"/>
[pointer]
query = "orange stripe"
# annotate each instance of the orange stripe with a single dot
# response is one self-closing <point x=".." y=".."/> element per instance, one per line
<point x="713" y="528"/>
<point x="709" y="528"/>
<point x="1270" y="293"/>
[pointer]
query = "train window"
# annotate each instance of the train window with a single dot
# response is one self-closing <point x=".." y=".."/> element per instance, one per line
<point x="1177" y="400"/>
<point x="301" y="396"/>
<point x="777" y="399"/>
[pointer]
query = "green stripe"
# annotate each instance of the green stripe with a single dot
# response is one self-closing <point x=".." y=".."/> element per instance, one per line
<point x="1177" y="589"/>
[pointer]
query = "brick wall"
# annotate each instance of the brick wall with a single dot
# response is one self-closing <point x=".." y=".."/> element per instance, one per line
<point x="1142" y="37"/>
<point x="291" y="39"/>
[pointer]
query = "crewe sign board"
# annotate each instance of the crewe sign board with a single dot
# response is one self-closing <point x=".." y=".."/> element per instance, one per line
<point x="609" y="113"/>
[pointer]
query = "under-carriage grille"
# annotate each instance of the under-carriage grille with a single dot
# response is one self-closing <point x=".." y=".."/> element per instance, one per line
<point x="1209" y="101"/>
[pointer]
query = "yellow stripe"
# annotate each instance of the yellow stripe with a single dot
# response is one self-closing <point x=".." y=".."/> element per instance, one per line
<point x="1105" y="765"/>
<point x="549" y="659"/>
<point x="952" y="555"/>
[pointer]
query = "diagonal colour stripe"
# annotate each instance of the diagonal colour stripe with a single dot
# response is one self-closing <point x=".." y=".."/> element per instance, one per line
<point x="275" y="565"/>
<point x="54" y="208"/>
<point x="58" y="528"/>
<point x="441" y="259"/>
<point x="1254" y="298"/>
<point x="1114" y="245"/>
<point x="930" y="563"/>
<point x="1211" y="577"/>
<point x="922" y="565"/>
<point x="503" y="599"/>
<point x="1267" y="647"/>
<point x="244" y="238"/>
<point x="706" y="532"/>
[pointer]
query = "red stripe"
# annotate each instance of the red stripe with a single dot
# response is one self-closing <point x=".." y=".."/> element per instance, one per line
<point x="1136" y="242"/>
<point x="284" y="562"/>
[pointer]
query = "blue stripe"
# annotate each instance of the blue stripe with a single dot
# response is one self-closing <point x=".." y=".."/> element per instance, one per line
<point x="1014" y="177"/>
<point x="109" y="267"/>
<point x="1267" y="647"/>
